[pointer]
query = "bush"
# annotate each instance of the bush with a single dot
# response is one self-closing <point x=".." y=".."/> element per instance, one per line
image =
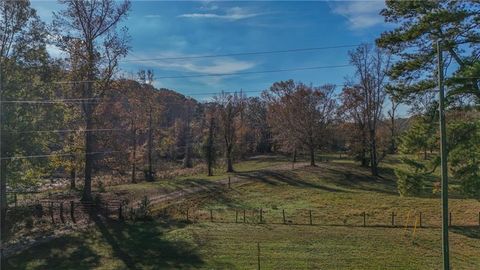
<point x="409" y="184"/>
<point x="144" y="209"/>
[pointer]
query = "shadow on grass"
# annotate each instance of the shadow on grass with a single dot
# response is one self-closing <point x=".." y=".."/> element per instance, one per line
<point x="69" y="252"/>
<point x="353" y="176"/>
<point x="468" y="231"/>
<point x="285" y="177"/>
<point x="140" y="245"/>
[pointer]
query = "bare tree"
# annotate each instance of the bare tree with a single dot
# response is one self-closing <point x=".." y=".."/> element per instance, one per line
<point x="229" y="108"/>
<point x="209" y="145"/>
<point x="189" y="112"/>
<point x="352" y="111"/>
<point x="146" y="78"/>
<point x="88" y="31"/>
<point x="371" y="65"/>
<point x="301" y="115"/>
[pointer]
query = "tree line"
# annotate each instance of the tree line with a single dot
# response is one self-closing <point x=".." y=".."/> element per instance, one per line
<point x="103" y="123"/>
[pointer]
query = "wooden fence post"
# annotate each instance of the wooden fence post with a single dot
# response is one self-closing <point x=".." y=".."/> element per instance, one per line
<point x="72" y="211"/>
<point x="211" y="215"/>
<point x="364" y="219"/>
<point x="61" y="213"/>
<point x="236" y="215"/>
<point x="283" y="213"/>
<point x="450" y="219"/>
<point x="229" y="181"/>
<point x="393" y="218"/>
<point x="261" y="215"/>
<point x="258" y="255"/>
<point x="421" y="222"/>
<point x="310" y="214"/>
<point x="244" y="219"/>
<point x="51" y="212"/>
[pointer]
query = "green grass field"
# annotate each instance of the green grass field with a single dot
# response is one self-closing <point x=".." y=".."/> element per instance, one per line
<point x="337" y="193"/>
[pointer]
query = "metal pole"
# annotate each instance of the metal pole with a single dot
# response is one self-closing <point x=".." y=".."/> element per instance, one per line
<point x="3" y="184"/>
<point x="443" y="154"/>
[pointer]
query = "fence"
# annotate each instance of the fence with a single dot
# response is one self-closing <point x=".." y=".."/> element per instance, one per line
<point x="316" y="217"/>
<point x="71" y="211"/>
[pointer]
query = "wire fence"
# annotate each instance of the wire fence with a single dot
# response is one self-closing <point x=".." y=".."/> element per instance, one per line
<point x="61" y="211"/>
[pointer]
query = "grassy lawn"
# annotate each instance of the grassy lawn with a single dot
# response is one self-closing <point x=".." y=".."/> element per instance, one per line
<point x="337" y="192"/>
<point x="179" y="182"/>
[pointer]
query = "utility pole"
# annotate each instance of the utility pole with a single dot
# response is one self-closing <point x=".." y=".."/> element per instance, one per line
<point x="443" y="154"/>
<point x="3" y="179"/>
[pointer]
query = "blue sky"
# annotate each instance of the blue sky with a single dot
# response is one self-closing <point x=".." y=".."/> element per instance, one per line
<point x="178" y="29"/>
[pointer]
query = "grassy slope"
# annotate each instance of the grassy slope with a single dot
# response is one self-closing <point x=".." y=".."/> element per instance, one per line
<point x="338" y="192"/>
<point x="146" y="188"/>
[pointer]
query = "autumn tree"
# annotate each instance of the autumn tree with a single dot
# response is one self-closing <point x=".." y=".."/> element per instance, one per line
<point x="88" y="31"/>
<point x="300" y="115"/>
<point x="26" y="73"/>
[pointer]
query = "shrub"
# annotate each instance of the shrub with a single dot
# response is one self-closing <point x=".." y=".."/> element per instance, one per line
<point x="144" y="209"/>
<point x="409" y="184"/>
<point x="412" y="181"/>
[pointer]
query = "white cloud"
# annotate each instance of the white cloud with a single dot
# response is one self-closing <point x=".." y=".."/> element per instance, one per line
<point x="197" y="66"/>
<point x="228" y="65"/>
<point x="231" y="14"/>
<point x="153" y="16"/>
<point x="360" y="14"/>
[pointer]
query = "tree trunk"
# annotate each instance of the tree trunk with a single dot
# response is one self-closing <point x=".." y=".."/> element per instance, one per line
<point x="229" y="159"/>
<point x="150" y="176"/>
<point x="210" y="147"/>
<point x="294" y="155"/>
<point x="134" y="156"/>
<point x="73" y="176"/>
<point x="87" y="188"/>
<point x="209" y="165"/>
<point x="373" y="154"/>
<point x="392" y="139"/>
<point x="88" y="93"/>
<point x="3" y="201"/>
<point x="312" y="156"/>
<point x="187" y="160"/>
<point x="363" y="154"/>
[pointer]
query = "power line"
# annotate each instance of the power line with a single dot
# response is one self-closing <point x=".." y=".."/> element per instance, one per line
<point x="252" y="72"/>
<point x="227" y="74"/>
<point x="240" y="54"/>
<point x="63" y="130"/>
<point x="106" y="100"/>
<point x="112" y="100"/>
<point x="62" y="155"/>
